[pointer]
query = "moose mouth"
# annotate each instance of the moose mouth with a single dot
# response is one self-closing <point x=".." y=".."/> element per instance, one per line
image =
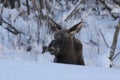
<point x="54" y="51"/>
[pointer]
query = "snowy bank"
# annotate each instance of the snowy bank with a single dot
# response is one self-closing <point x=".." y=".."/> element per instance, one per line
<point x="21" y="70"/>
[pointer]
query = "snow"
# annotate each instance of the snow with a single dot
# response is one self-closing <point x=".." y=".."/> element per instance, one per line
<point x="116" y="10"/>
<point x="21" y="70"/>
<point x="96" y="36"/>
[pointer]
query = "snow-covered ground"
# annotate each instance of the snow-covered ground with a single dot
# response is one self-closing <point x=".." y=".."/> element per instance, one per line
<point x="22" y="70"/>
<point x="18" y="65"/>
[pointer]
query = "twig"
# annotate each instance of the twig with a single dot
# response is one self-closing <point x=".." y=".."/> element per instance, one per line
<point x="115" y="56"/>
<point x="104" y="38"/>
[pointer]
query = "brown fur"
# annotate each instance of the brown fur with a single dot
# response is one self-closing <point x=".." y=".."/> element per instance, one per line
<point x="65" y="47"/>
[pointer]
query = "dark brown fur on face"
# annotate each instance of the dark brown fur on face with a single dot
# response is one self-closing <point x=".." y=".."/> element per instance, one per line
<point x="65" y="47"/>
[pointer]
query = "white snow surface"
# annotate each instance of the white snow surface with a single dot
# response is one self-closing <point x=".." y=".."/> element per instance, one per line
<point x="22" y="70"/>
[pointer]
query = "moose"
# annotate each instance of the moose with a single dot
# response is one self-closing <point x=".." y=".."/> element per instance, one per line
<point x="65" y="47"/>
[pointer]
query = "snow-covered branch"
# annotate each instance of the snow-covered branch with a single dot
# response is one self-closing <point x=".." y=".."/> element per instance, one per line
<point x="75" y="10"/>
<point x="110" y="7"/>
<point x="11" y="28"/>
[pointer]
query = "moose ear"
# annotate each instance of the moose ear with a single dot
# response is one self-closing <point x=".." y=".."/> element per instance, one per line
<point x="54" y="26"/>
<point x="76" y="28"/>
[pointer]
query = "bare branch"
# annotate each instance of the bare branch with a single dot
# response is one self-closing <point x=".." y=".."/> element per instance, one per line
<point x="11" y="28"/>
<point x="114" y="43"/>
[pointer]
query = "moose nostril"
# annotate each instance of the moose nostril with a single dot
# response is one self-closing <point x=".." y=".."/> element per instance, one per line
<point x="52" y="48"/>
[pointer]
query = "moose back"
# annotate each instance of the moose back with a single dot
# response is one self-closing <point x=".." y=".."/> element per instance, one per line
<point x="65" y="47"/>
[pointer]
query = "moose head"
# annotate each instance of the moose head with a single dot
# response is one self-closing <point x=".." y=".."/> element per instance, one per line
<point x="65" y="47"/>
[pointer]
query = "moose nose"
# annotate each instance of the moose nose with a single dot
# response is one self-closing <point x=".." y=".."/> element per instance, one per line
<point x="52" y="49"/>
